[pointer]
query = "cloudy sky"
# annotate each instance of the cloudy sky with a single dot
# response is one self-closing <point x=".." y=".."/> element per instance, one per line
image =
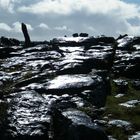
<point x="46" y="19"/>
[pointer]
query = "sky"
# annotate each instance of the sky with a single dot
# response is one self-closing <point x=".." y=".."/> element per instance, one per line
<point x="46" y="19"/>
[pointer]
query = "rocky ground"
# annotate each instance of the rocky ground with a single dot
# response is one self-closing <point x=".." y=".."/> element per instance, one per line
<point x="78" y="88"/>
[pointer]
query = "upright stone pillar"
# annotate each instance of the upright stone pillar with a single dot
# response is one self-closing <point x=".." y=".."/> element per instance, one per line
<point x="26" y="35"/>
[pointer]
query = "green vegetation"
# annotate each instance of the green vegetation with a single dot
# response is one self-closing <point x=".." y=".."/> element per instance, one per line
<point x="115" y="111"/>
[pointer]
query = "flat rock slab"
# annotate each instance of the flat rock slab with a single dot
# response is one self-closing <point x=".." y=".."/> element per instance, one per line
<point x="121" y="123"/>
<point x="135" y="137"/>
<point x="73" y="82"/>
<point x="131" y="103"/>
<point x="78" y="117"/>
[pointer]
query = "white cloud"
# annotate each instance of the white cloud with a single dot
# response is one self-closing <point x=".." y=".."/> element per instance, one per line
<point x="8" y="4"/>
<point x="17" y="27"/>
<point x="131" y="29"/>
<point x="64" y="7"/>
<point x="117" y="12"/>
<point x="61" y="28"/>
<point x="108" y="17"/>
<point x="91" y="28"/>
<point x="48" y="6"/>
<point x="5" y="27"/>
<point x="134" y="30"/>
<point x="43" y="26"/>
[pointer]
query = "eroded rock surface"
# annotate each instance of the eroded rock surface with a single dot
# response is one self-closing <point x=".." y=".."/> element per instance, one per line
<point x="54" y="96"/>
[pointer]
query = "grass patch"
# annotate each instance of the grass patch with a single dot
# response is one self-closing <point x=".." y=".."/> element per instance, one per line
<point x="115" y="111"/>
<point x="7" y="88"/>
<point x="118" y="133"/>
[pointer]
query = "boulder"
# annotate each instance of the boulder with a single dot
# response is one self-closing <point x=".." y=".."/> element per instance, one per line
<point x="121" y="36"/>
<point x="121" y="123"/>
<point x="75" y="125"/>
<point x="75" y="35"/>
<point x="136" y="136"/>
<point x="6" y="52"/>
<point x="9" y="41"/>
<point x="131" y="103"/>
<point x="83" y="35"/>
<point x="28" y="116"/>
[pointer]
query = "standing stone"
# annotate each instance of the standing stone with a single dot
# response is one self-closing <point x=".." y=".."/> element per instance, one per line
<point x="26" y="35"/>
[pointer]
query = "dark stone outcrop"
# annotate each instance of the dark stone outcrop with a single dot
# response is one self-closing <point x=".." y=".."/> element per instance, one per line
<point x="127" y="57"/>
<point x="24" y="121"/>
<point x="75" y="35"/>
<point x="75" y="125"/>
<point x="83" y="41"/>
<point x="8" y="51"/>
<point x="122" y="36"/>
<point x="58" y="90"/>
<point x="26" y="35"/>
<point x="9" y="41"/>
<point x="83" y="35"/>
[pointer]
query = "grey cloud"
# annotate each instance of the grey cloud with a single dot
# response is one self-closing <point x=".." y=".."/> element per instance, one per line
<point x="49" y="25"/>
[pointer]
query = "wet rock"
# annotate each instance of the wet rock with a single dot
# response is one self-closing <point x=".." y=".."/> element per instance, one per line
<point x="82" y="127"/>
<point x="28" y="81"/>
<point x="137" y="47"/>
<point x="135" y="137"/>
<point x="81" y="41"/>
<point x="78" y="101"/>
<point x="99" y="59"/>
<point x="62" y="104"/>
<point x="78" y="83"/>
<point x="4" y="77"/>
<point x="6" y="52"/>
<point x="29" y="115"/>
<point x="121" y="123"/>
<point x="128" y="42"/>
<point x="31" y="80"/>
<point x="105" y="40"/>
<point x="119" y="95"/>
<point x="78" y="117"/>
<point x="74" y="68"/>
<point x="50" y="90"/>
<point x="69" y="41"/>
<point x="37" y="48"/>
<point x="136" y="84"/>
<point x="101" y="122"/>
<point x="111" y="138"/>
<point x="15" y="42"/>
<point x="73" y="82"/>
<point x="131" y="103"/>
<point x="9" y="41"/>
<point x="74" y="124"/>
<point x="127" y="57"/>
<point x="126" y="63"/>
